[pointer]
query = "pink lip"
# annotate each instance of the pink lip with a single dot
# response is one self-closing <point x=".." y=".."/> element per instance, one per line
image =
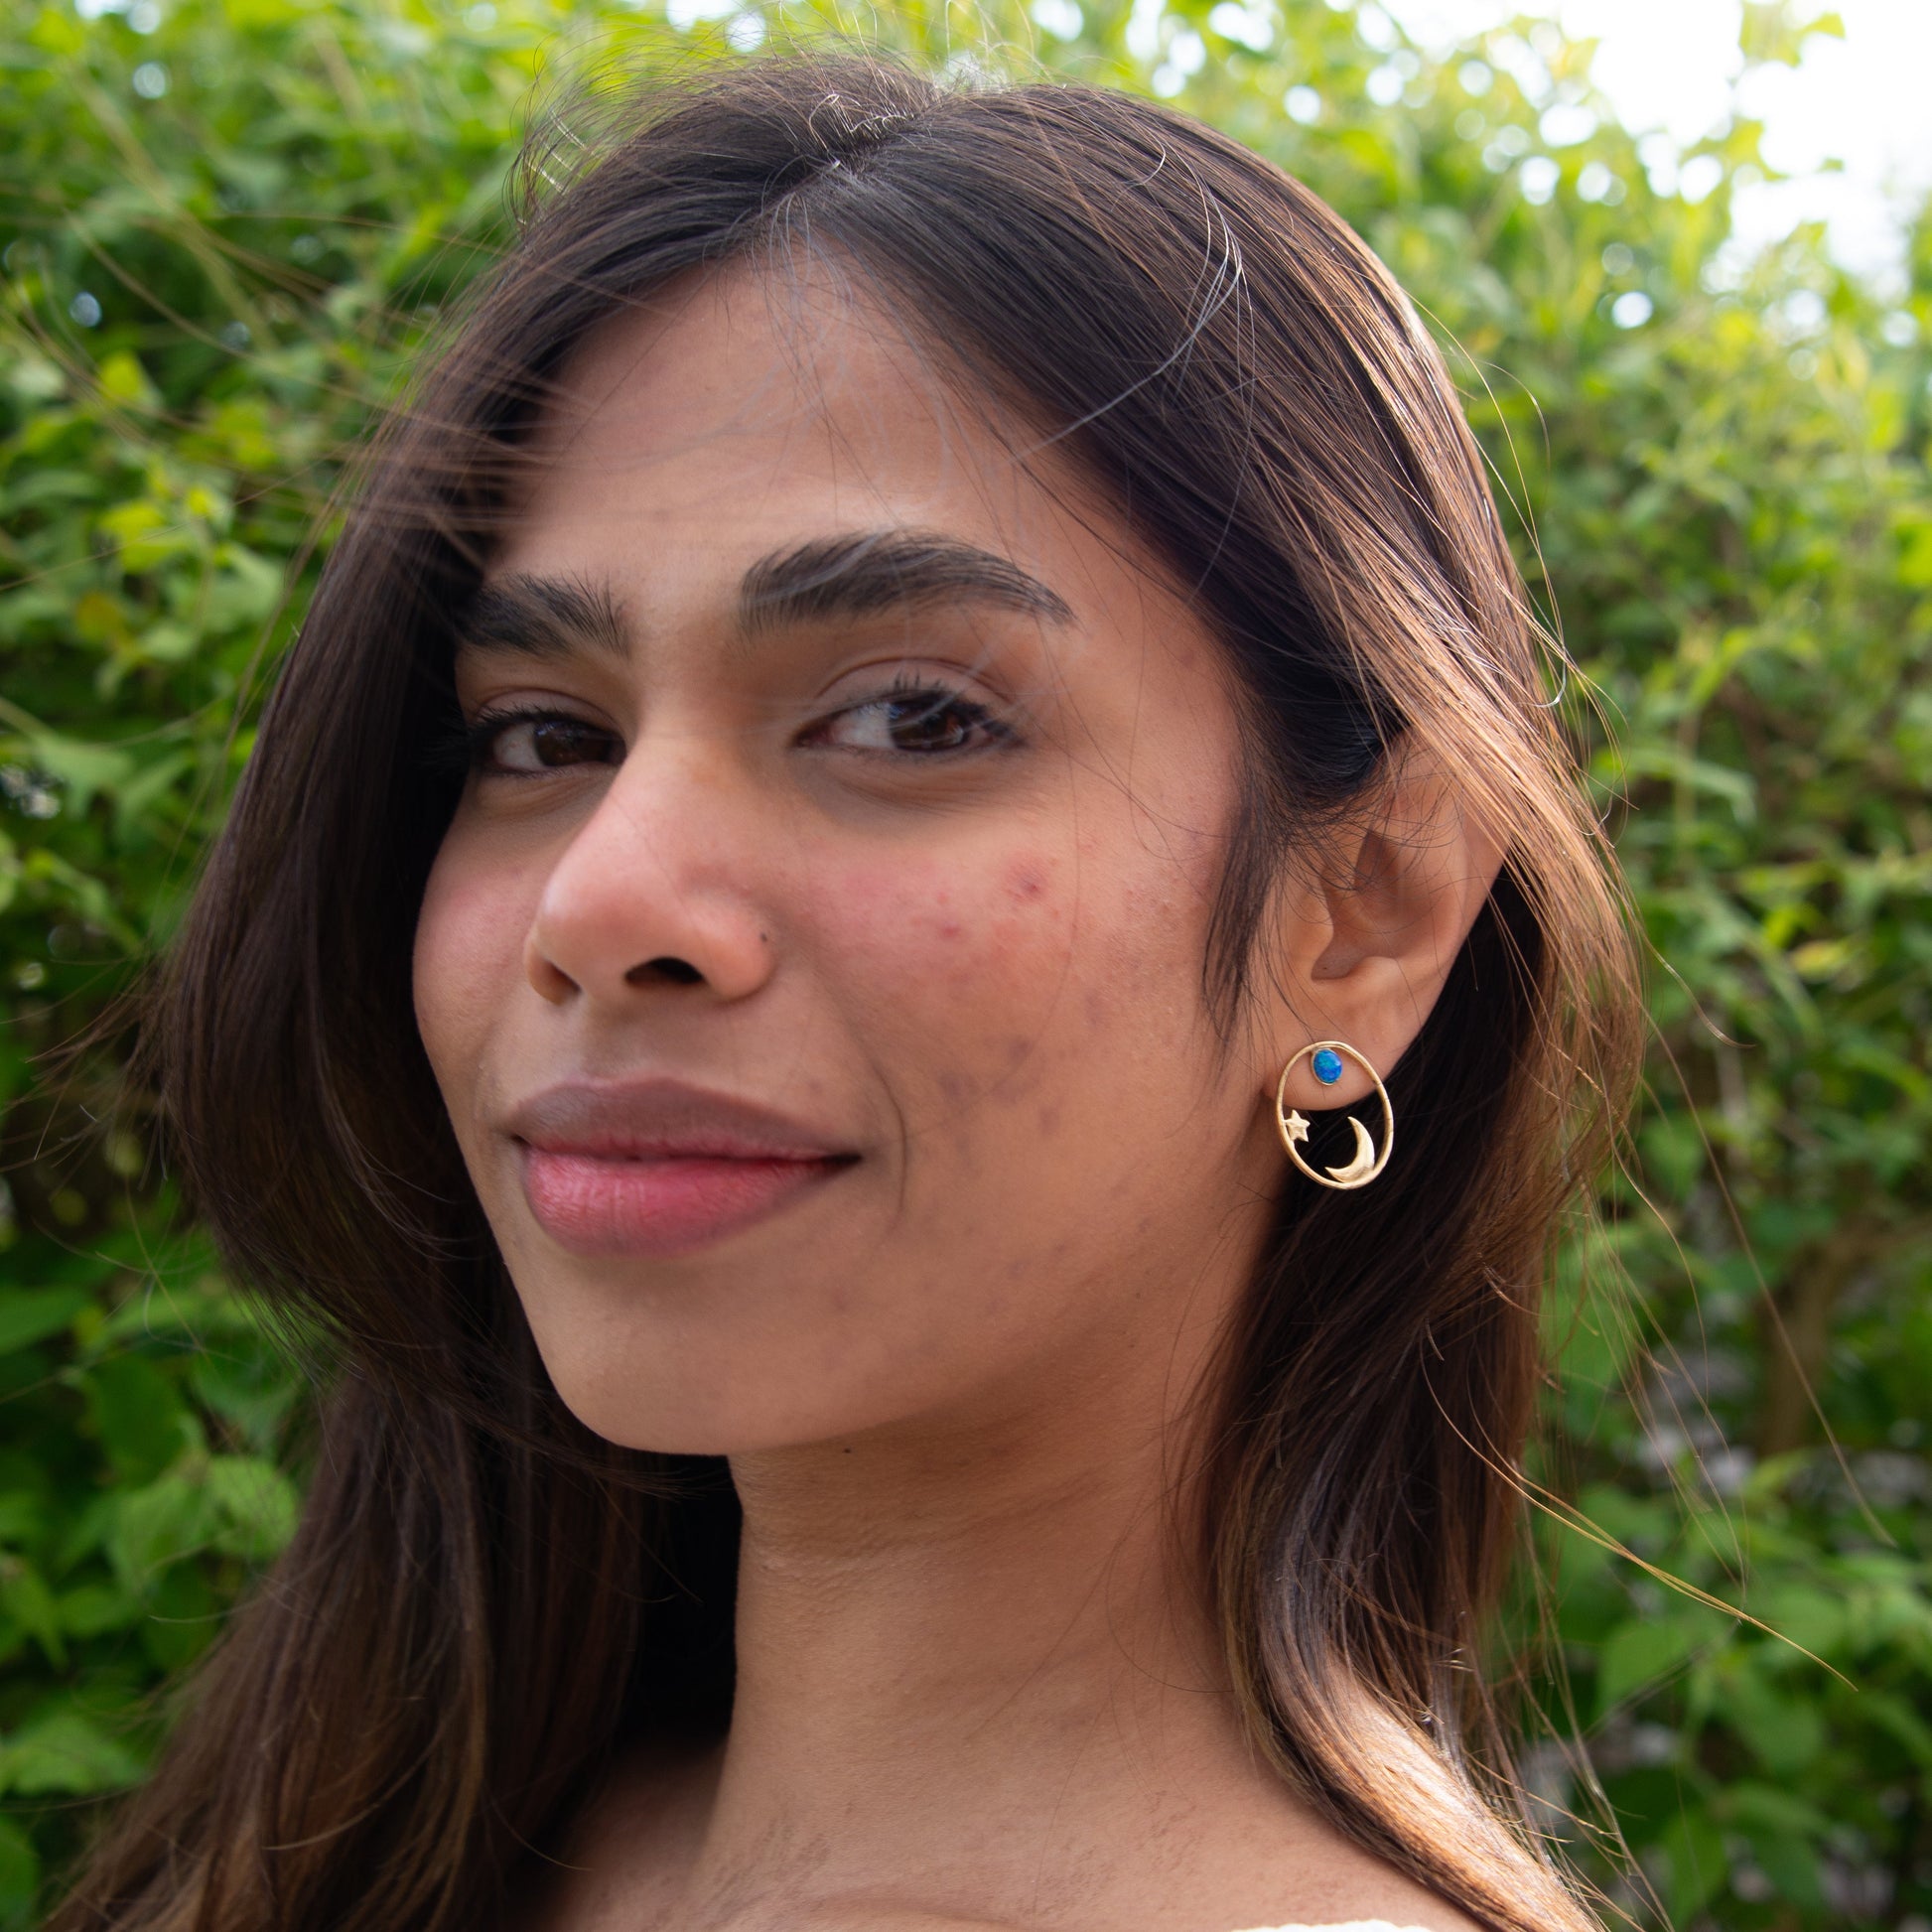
<point x="655" y="1169"/>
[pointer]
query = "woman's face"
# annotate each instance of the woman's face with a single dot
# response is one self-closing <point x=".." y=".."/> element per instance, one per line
<point x="812" y="969"/>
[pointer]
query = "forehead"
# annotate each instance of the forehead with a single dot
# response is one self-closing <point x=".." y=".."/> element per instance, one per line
<point x="741" y="409"/>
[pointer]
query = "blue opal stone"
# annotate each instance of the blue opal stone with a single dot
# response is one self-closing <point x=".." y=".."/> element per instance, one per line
<point x="1327" y="1066"/>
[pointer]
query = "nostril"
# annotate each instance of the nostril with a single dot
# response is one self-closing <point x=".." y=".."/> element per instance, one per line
<point x="676" y="972"/>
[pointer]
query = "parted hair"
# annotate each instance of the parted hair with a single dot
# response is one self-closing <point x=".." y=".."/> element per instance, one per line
<point x="484" y="1602"/>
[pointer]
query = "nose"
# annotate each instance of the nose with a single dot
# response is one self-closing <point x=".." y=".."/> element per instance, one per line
<point x="657" y="890"/>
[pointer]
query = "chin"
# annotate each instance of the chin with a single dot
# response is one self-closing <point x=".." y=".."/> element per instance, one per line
<point x="694" y="1412"/>
<point x="686" y="1430"/>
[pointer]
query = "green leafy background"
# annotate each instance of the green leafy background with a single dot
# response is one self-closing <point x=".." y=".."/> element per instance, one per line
<point x="223" y="227"/>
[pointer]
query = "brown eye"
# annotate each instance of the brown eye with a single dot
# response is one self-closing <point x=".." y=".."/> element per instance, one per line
<point x="918" y="722"/>
<point x="545" y="743"/>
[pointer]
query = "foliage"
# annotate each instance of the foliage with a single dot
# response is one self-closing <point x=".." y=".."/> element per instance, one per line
<point x="224" y="228"/>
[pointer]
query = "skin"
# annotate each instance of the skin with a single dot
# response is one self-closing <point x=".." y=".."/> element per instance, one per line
<point x="958" y="1381"/>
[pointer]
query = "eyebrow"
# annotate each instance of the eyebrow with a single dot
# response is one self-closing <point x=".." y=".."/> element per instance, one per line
<point x="857" y="574"/>
<point x="866" y="573"/>
<point x="542" y="616"/>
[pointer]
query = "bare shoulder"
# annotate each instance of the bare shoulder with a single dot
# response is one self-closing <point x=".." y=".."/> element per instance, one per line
<point x="628" y="1859"/>
<point x="1437" y="1917"/>
<point x="1322" y="1882"/>
<point x="628" y="1847"/>
<point x="1353" y="1925"/>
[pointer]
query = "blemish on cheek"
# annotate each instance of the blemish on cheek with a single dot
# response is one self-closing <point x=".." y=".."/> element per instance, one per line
<point x="1017" y="1052"/>
<point x="1024" y="883"/>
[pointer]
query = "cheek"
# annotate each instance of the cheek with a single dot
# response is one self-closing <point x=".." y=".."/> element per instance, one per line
<point x="1031" y="980"/>
<point x="944" y="968"/>
<point x="467" y="961"/>
<point x="953" y="940"/>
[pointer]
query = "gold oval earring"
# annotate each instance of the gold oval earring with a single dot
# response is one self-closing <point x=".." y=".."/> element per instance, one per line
<point x="1325" y="1058"/>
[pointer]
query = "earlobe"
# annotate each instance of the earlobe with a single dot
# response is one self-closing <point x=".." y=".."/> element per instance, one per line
<point x="1326" y="1060"/>
<point x="1369" y="944"/>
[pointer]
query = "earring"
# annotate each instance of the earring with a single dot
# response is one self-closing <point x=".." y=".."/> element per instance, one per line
<point x="1324" y="1057"/>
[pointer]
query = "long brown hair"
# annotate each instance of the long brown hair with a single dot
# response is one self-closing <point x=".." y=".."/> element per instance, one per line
<point x="482" y="1600"/>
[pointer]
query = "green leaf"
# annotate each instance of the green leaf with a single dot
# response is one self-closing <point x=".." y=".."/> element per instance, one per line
<point x="182" y="1616"/>
<point x="156" y="1526"/>
<point x="258" y="1503"/>
<point x="1640" y="1653"/>
<point x="1793" y="1866"/>
<point x="1786" y="1733"/>
<point x="27" y="1600"/>
<point x="1695" y="1862"/>
<point x="140" y="1417"/>
<point x="22" y="1517"/>
<point x="1892" y="1715"/>
<point x="1804" y="1615"/>
<point x="31" y="1314"/>
<point x="20" y="1868"/>
<point x="84" y="770"/>
<point x="65" y="1754"/>
<point x="1767" y="1811"/>
<point x="91" y="1609"/>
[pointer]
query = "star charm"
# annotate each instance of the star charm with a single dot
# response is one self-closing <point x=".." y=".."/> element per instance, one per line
<point x="1295" y="1128"/>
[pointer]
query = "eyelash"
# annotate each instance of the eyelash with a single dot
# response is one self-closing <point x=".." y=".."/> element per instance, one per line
<point x="472" y="748"/>
<point x="931" y="700"/>
<point x="481" y="736"/>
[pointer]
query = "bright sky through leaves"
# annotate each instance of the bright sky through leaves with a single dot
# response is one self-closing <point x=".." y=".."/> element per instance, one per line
<point x="1860" y="101"/>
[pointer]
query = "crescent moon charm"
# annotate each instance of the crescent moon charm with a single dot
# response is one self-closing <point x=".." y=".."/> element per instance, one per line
<point x="1367" y="1161"/>
<point x="1363" y="1160"/>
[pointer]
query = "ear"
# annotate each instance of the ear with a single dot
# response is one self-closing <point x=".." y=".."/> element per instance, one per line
<point x="1365" y="945"/>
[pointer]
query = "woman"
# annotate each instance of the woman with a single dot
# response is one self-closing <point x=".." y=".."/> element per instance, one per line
<point x="916" y="747"/>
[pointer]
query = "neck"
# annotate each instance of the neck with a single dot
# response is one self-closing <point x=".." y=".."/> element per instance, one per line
<point x="964" y="1660"/>
<point x="902" y="1612"/>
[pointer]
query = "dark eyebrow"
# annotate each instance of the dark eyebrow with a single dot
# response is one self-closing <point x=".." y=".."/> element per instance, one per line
<point x="868" y="572"/>
<point x="542" y="616"/>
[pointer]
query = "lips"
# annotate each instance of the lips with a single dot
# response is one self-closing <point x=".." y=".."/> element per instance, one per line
<point x="658" y="1169"/>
